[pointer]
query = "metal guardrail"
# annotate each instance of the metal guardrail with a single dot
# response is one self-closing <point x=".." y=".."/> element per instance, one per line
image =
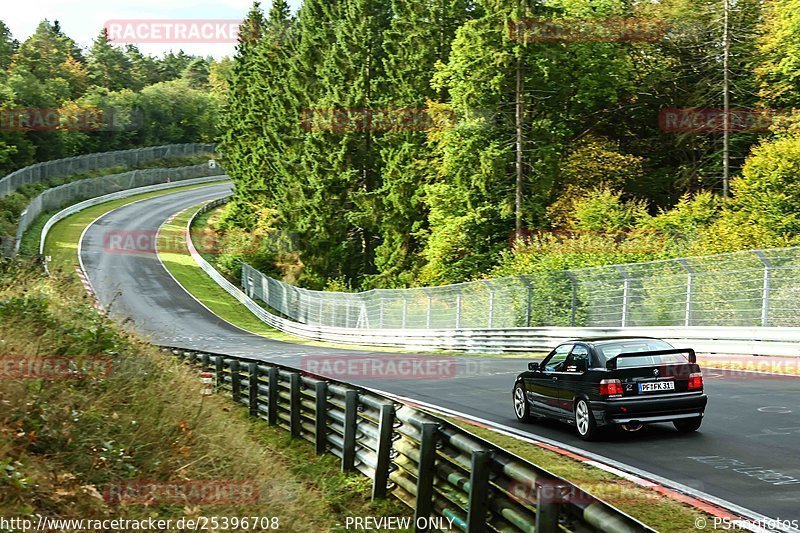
<point x="436" y="468"/>
<point x="730" y="340"/>
<point x="84" y="163"/>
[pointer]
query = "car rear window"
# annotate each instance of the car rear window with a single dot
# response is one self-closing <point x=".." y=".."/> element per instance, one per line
<point x="611" y="350"/>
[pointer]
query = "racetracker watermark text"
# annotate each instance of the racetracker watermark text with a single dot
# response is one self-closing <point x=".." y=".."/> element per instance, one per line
<point x="187" y="31"/>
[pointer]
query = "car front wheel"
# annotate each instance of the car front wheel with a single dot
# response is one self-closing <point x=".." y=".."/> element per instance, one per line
<point x="521" y="407"/>
<point x="687" y="425"/>
<point x="584" y="421"/>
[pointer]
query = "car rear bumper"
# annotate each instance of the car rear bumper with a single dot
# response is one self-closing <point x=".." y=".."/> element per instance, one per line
<point x="649" y="409"/>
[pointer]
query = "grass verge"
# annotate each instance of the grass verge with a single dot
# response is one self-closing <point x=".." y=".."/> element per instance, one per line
<point x="182" y="266"/>
<point x="662" y="513"/>
<point x="65" y="444"/>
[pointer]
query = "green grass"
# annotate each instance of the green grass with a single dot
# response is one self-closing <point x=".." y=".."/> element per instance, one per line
<point x="662" y="513"/>
<point x="62" y="442"/>
<point x="181" y="265"/>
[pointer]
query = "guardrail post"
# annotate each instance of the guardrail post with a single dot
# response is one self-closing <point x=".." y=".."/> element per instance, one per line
<point x="427" y="463"/>
<point x="547" y="509"/>
<point x="272" y="397"/>
<point x="205" y="362"/>
<point x="321" y="417"/>
<point x="294" y="404"/>
<point x="252" y="388"/>
<point x="478" y="491"/>
<point x="219" y="367"/>
<point x="236" y="383"/>
<point x="350" y="427"/>
<point x="385" y="429"/>
<point x="766" y="288"/>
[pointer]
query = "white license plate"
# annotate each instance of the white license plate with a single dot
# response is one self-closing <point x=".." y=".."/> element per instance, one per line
<point x="657" y="386"/>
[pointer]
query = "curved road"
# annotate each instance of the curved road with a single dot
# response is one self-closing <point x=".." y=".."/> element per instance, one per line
<point x="746" y="452"/>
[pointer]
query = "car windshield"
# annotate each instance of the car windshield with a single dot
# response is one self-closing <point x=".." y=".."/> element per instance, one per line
<point x="613" y="349"/>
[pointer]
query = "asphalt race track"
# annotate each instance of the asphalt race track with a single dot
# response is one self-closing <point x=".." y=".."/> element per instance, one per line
<point x="747" y="451"/>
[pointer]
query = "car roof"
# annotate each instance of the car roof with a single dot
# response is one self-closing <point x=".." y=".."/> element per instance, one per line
<point x="606" y="340"/>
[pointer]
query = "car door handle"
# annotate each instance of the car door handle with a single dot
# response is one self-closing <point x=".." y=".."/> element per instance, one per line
<point x="555" y="378"/>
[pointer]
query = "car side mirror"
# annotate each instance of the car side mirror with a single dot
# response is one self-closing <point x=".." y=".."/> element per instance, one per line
<point x="533" y="367"/>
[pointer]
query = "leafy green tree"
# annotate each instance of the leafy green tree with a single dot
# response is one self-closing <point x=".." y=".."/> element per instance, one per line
<point x="779" y="70"/>
<point x="173" y="112"/>
<point x="8" y="46"/>
<point x="240" y="126"/>
<point x="144" y="68"/>
<point x="419" y="37"/>
<point x="108" y="66"/>
<point x="196" y="73"/>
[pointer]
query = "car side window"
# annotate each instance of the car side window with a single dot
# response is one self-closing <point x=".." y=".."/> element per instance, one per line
<point x="555" y="362"/>
<point x="578" y="360"/>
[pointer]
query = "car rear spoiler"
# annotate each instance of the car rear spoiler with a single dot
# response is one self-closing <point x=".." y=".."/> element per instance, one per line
<point x="611" y="364"/>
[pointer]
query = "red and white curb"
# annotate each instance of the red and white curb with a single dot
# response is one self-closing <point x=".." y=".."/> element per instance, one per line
<point x="88" y="286"/>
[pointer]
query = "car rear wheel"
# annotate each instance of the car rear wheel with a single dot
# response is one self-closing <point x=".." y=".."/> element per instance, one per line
<point x="521" y="407"/>
<point x="687" y="425"/>
<point x="584" y="421"/>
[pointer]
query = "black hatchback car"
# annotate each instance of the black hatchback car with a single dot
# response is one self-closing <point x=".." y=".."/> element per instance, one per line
<point x="622" y="381"/>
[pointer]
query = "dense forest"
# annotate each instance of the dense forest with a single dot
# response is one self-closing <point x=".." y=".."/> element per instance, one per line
<point x="533" y="153"/>
<point x="104" y="98"/>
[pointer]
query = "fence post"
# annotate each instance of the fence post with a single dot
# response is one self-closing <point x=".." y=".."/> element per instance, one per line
<point x="383" y="453"/>
<point x="321" y="417"/>
<point x="380" y="312"/>
<point x="252" y="388"/>
<point x="405" y="312"/>
<point x="546" y="509"/>
<point x="573" y="306"/>
<point x="272" y="397"/>
<point x="491" y="303"/>
<point x="766" y="288"/>
<point x="236" y="382"/>
<point x="458" y="308"/>
<point x="294" y="404"/>
<point x="626" y="295"/>
<point x="350" y="427"/>
<point x="687" y="319"/>
<point x="219" y="367"/>
<point x="528" y="300"/>
<point x="427" y="462"/>
<point x="429" y="311"/>
<point x="478" y="491"/>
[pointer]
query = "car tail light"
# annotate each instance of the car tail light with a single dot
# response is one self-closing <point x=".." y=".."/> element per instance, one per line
<point x="611" y="387"/>
<point x="696" y="381"/>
